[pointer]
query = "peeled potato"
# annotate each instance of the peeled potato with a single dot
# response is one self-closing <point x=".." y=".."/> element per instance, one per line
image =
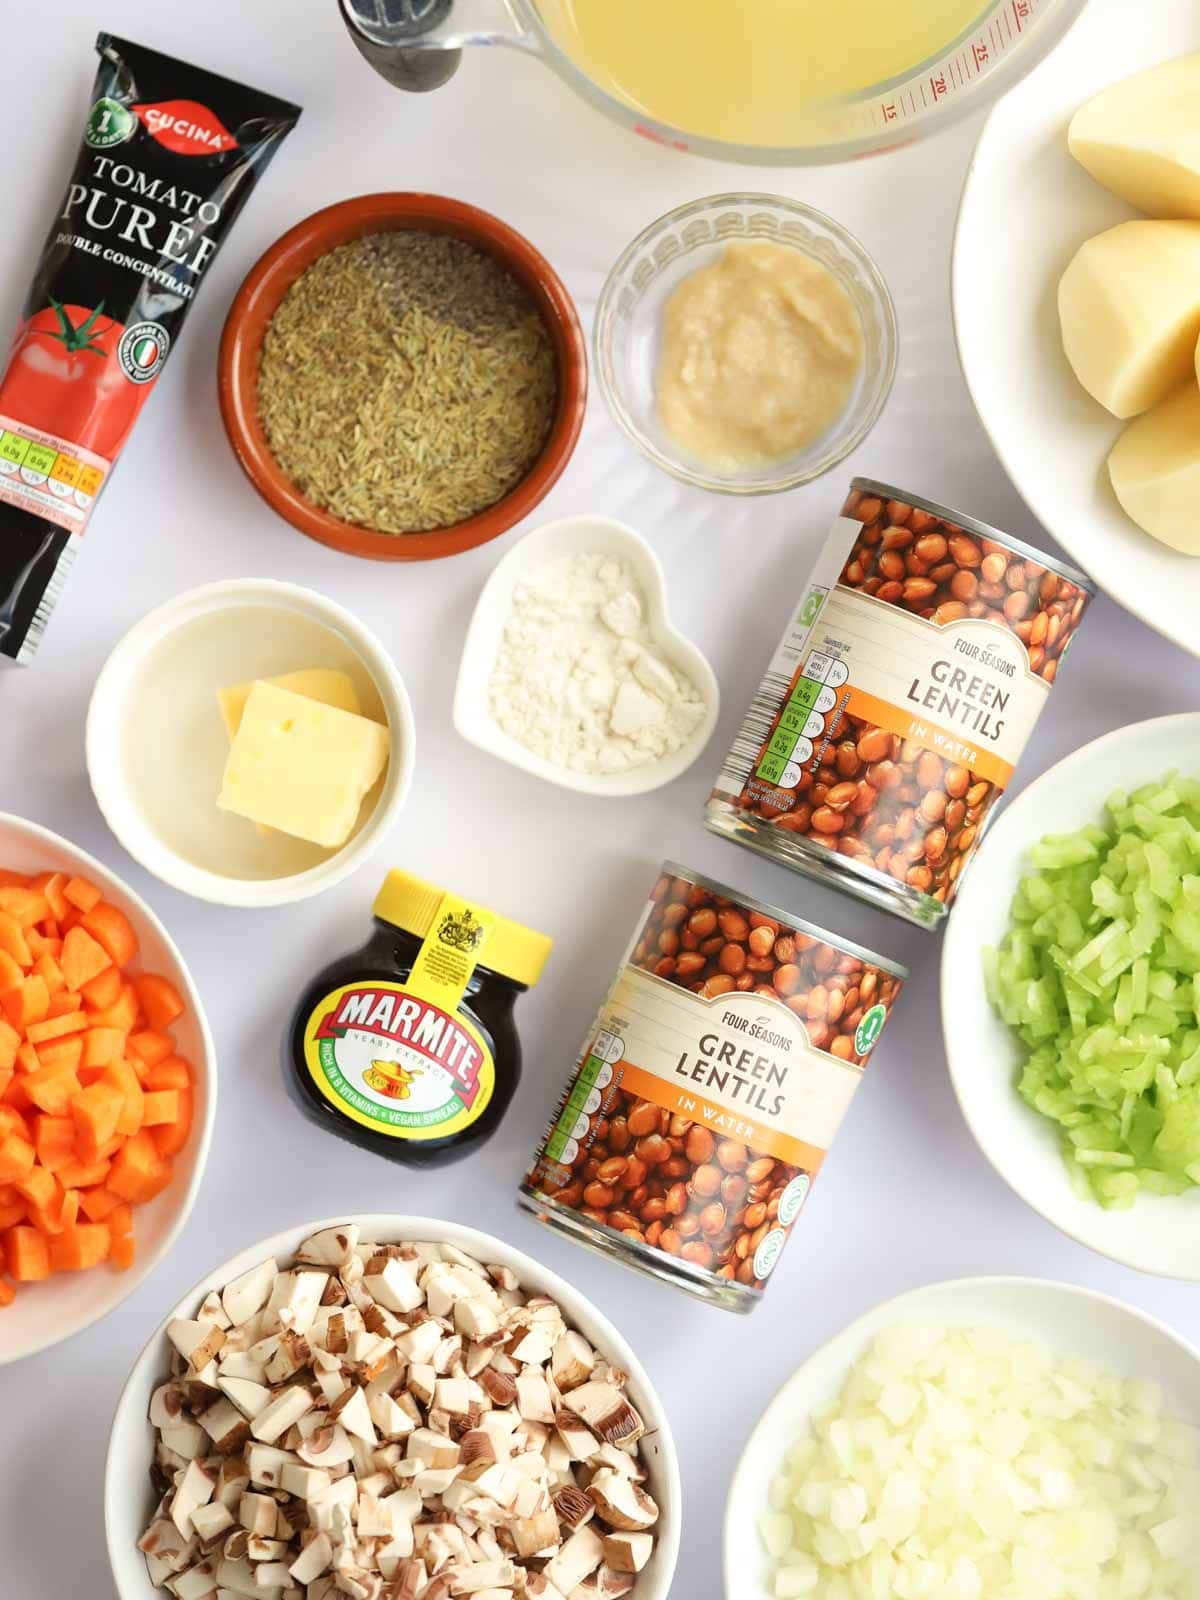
<point x="1141" y="138"/>
<point x="1129" y="305"/>
<point x="1155" y="470"/>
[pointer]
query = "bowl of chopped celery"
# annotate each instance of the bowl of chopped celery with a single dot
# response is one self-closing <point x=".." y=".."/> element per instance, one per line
<point x="1071" y="996"/>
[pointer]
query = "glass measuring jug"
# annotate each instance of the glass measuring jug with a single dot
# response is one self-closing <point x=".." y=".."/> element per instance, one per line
<point x="747" y="81"/>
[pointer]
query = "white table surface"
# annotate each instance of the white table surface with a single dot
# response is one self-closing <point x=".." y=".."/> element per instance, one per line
<point x="906" y="1199"/>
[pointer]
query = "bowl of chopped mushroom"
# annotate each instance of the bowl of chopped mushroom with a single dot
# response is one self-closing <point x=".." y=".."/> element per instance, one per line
<point x="389" y="1408"/>
<point x="402" y="376"/>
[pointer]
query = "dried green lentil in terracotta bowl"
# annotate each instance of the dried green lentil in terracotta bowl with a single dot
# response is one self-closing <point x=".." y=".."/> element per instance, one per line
<point x="407" y="382"/>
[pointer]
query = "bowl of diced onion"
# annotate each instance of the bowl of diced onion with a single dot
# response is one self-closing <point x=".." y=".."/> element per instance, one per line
<point x="982" y="1439"/>
<point x="1071" y="996"/>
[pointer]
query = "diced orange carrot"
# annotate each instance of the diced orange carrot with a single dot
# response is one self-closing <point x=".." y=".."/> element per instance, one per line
<point x="78" y="1248"/>
<point x="39" y="1187"/>
<point x="27" y="1006"/>
<point x="173" y="1073"/>
<point x="65" y="1001"/>
<point x="149" y="1047"/>
<point x="98" y="1204"/>
<point x="171" y="1138"/>
<point x="54" y="1139"/>
<point x="96" y="1112"/>
<point x="138" y="1172"/>
<point x="11" y="1121"/>
<point x="51" y="1088"/>
<point x="17" y="1158"/>
<point x="6" y="1077"/>
<point x="17" y="1094"/>
<point x="121" y="1251"/>
<point x="121" y="1076"/>
<point x="64" y="1053"/>
<point x="12" y="975"/>
<point x="52" y="885"/>
<point x="13" y="880"/>
<point x="83" y="958"/>
<point x="25" y="906"/>
<point x="58" y="1218"/>
<point x="161" y="1106"/>
<point x="27" y="1254"/>
<point x="111" y="929"/>
<point x="27" y="1058"/>
<point x="10" y="1042"/>
<point x="83" y="894"/>
<point x="83" y="1174"/>
<point x="160" y="999"/>
<point x="55" y="1027"/>
<point x="101" y="1045"/>
<point x="123" y="1013"/>
<point x="121" y="1220"/>
<point x="46" y="967"/>
<point x="13" y="941"/>
<point x="12" y="1212"/>
<point x="102" y="992"/>
<point x="8" y="1293"/>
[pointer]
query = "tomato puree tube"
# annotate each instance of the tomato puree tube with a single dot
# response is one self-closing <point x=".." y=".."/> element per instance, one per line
<point x="168" y="158"/>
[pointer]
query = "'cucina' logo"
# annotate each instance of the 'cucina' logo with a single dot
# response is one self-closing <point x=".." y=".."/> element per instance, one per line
<point x="186" y="127"/>
<point x="425" y="1028"/>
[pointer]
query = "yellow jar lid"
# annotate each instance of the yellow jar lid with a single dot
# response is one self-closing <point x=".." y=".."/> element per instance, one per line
<point x="512" y="950"/>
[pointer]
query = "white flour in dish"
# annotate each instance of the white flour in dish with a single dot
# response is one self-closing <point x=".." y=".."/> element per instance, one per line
<point x="578" y="678"/>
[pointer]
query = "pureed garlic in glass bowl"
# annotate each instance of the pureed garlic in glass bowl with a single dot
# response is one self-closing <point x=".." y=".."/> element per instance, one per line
<point x="629" y="328"/>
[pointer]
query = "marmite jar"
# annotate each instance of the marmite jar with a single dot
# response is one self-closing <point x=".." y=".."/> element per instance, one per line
<point x="407" y="1046"/>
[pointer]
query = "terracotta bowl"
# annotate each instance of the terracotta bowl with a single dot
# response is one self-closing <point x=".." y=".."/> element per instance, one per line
<point x="268" y="282"/>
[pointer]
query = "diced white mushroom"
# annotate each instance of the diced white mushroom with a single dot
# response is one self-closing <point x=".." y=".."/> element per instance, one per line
<point x="577" y="1559"/>
<point x="538" y="1532"/>
<point x="288" y="1406"/>
<point x="422" y="1381"/>
<point x="197" y="1342"/>
<point x="249" y="1292"/>
<point x="195" y="1582"/>
<point x="475" y="1318"/>
<point x="419" y="1343"/>
<point x="295" y="1297"/>
<point x="166" y="1405"/>
<point x="194" y="1489"/>
<point x="432" y="1449"/>
<point x="166" y="1544"/>
<point x="239" y="1364"/>
<point x="471" y="1578"/>
<point x="534" y="1400"/>
<point x="607" y="1412"/>
<point x="212" y="1520"/>
<point x="627" y="1552"/>
<point x="249" y="1397"/>
<point x="390" y="1418"/>
<point x="621" y="1503"/>
<point x="573" y="1506"/>
<point x="395" y="1286"/>
<point x="186" y="1439"/>
<point x="272" y="1575"/>
<point x="260" y="1549"/>
<point x="332" y="1247"/>
<point x="266" y="1464"/>
<point x="291" y="1353"/>
<point x="580" y="1443"/>
<point x="454" y="1395"/>
<point x="328" y="1447"/>
<point x="572" y="1360"/>
<point x="352" y="1413"/>
<point x="434" y="1480"/>
<point x="256" y="1513"/>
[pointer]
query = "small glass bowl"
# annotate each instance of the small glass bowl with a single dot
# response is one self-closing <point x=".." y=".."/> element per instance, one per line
<point x="629" y="321"/>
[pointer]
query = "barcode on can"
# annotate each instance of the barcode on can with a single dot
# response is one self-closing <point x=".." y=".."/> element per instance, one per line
<point x="754" y="732"/>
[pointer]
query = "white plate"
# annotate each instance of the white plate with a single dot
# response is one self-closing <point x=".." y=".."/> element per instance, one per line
<point x="1161" y="1233"/>
<point x="1026" y="208"/>
<point x="45" y="1313"/>
<point x="129" y="1500"/>
<point x="574" y="536"/>
<point x="1074" y="1321"/>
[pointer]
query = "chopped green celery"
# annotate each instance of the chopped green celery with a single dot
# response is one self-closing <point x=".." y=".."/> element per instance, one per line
<point x="1099" y="975"/>
<point x="1063" y="850"/>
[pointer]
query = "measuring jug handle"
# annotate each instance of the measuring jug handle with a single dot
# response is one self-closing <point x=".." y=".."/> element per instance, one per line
<point x="417" y="44"/>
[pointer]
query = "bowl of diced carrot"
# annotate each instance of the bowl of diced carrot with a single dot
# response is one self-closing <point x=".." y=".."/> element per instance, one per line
<point x="107" y="1089"/>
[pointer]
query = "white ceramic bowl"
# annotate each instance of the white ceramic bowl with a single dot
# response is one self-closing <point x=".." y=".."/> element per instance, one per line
<point x="45" y="1313"/>
<point x="1161" y="1234"/>
<point x="1076" y="1322"/>
<point x="128" y="1499"/>
<point x="1026" y="208"/>
<point x="628" y="329"/>
<point x="156" y="743"/>
<point x="574" y="536"/>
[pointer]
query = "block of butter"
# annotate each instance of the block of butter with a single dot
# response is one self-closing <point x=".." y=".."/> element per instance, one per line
<point x="301" y="766"/>
<point x="326" y="684"/>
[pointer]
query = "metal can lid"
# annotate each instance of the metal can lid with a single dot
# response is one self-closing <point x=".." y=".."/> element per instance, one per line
<point x="985" y="530"/>
<point x="797" y="924"/>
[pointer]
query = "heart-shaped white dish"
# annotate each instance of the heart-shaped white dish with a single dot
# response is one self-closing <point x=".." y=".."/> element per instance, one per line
<point x="574" y="536"/>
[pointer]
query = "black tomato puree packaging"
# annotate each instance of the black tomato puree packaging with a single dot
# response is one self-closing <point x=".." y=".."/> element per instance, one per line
<point x="168" y="158"/>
